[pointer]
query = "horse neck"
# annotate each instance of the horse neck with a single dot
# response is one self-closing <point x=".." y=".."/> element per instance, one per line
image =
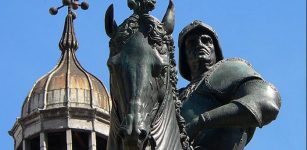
<point x="165" y="130"/>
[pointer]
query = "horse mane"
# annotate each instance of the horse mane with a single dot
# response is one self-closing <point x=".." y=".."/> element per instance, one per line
<point x="184" y="139"/>
<point x="153" y="29"/>
<point x="157" y="36"/>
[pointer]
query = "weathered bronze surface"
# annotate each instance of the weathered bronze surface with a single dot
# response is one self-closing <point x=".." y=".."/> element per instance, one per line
<point x="226" y="99"/>
<point x="143" y="81"/>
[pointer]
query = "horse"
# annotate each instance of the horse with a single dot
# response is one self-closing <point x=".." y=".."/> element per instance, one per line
<point x="145" y="112"/>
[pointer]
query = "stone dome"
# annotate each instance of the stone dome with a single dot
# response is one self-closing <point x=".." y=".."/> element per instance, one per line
<point x="68" y="84"/>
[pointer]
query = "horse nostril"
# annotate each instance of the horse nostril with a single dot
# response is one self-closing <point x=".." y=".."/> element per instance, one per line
<point x="143" y="134"/>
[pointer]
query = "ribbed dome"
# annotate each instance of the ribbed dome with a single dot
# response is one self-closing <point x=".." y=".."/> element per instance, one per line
<point x="68" y="84"/>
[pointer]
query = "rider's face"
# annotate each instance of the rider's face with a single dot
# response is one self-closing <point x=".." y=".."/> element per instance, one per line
<point x="199" y="49"/>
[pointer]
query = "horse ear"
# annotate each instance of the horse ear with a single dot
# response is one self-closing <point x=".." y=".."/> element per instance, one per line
<point x="169" y="18"/>
<point x="110" y="24"/>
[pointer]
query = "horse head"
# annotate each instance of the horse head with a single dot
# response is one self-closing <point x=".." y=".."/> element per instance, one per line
<point x="168" y="19"/>
<point x="140" y="65"/>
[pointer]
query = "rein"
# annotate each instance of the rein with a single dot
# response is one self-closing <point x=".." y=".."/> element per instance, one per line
<point x="161" y="107"/>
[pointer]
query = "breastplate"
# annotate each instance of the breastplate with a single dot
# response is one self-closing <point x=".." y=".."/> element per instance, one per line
<point x="197" y="103"/>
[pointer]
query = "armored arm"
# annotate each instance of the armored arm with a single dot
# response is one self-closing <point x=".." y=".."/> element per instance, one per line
<point x="248" y="100"/>
<point x="256" y="104"/>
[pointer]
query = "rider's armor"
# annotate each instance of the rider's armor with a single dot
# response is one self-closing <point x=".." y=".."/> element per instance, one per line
<point x="230" y="81"/>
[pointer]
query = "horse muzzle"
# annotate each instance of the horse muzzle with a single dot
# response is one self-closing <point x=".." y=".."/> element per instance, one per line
<point x="133" y="136"/>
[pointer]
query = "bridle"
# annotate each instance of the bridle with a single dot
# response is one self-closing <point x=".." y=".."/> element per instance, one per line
<point x="159" y="107"/>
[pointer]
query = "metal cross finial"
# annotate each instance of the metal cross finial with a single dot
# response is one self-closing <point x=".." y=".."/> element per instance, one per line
<point x="71" y="4"/>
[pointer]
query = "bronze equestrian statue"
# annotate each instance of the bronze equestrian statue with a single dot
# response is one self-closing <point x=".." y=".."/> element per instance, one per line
<point x="224" y="103"/>
<point x="226" y="98"/>
<point x="143" y="81"/>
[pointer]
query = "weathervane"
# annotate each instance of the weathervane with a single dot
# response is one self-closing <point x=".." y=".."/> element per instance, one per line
<point x="74" y="4"/>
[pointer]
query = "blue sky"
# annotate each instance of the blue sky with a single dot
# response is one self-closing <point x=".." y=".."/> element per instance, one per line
<point x="270" y="34"/>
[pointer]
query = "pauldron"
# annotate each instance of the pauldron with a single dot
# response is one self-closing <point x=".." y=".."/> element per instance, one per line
<point x="225" y="77"/>
<point x="222" y="80"/>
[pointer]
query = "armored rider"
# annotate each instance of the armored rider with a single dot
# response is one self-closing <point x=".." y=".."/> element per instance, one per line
<point x="226" y="98"/>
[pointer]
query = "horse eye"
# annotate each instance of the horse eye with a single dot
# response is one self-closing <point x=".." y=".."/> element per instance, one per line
<point x="111" y="64"/>
<point x="159" y="70"/>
